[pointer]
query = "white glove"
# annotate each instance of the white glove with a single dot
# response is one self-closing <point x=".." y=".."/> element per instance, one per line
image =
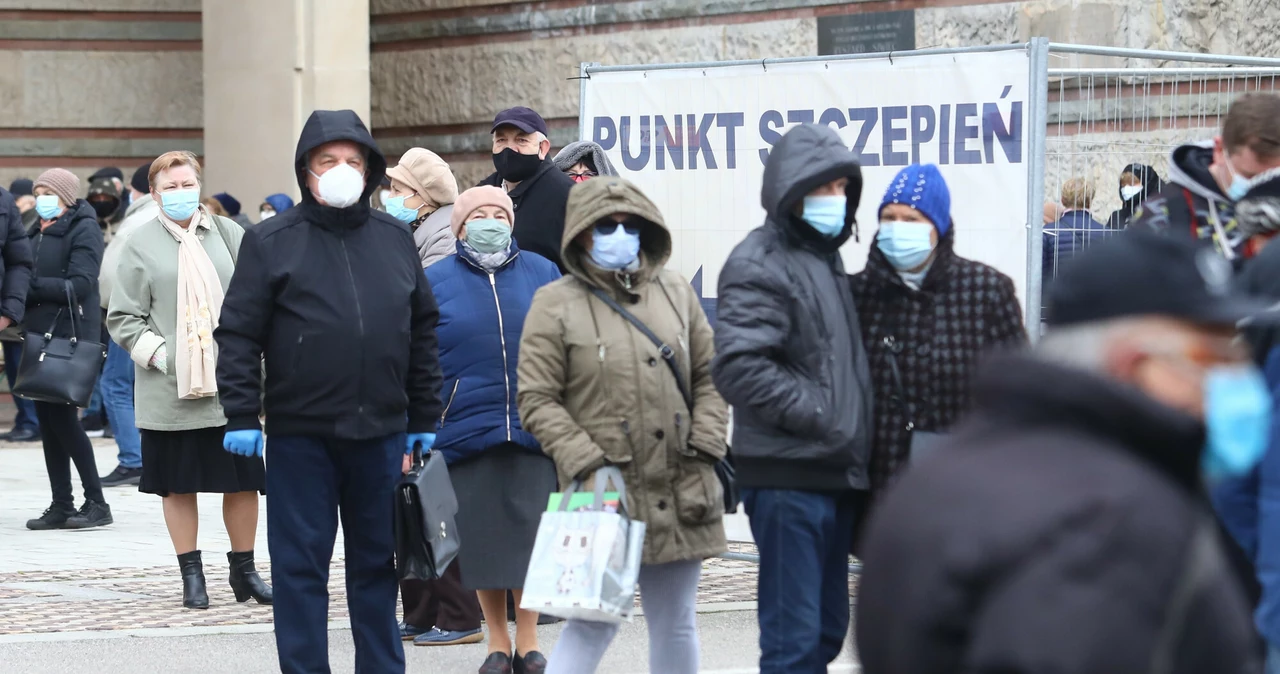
<point x="160" y="359"/>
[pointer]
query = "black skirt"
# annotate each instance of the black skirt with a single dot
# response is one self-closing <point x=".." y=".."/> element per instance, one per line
<point x="194" y="462"/>
<point x="502" y="494"/>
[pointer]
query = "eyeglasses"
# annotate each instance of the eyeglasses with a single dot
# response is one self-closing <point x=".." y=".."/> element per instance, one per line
<point x="582" y="177"/>
<point x="607" y="227"/>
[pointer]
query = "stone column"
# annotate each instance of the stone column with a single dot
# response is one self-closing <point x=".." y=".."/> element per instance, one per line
<point x="267" y="66"/>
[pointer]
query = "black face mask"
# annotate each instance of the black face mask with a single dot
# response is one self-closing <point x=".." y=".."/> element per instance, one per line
<point x="104" y="208"/>
<point x="515" y="167"/>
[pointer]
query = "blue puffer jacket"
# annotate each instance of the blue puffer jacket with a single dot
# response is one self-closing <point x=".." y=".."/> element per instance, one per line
<point x="481" y="318"/>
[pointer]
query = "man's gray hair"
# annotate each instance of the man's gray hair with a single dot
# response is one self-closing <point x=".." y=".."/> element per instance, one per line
<point x="1085" y="346"/>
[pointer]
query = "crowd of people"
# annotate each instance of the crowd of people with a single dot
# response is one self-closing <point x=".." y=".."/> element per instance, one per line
<point x="1017" y="508"/>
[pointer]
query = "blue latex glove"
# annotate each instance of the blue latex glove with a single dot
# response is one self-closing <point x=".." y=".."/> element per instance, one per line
<point x="243" y="443"/>
<point x="428" y="440"/>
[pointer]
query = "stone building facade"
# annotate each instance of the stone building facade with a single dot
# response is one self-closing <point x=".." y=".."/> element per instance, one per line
<point x="89" y="83"/>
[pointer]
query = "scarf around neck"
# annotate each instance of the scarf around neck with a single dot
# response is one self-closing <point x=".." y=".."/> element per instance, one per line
<point x="199" y="305"/>
<point x="490" y="262"/>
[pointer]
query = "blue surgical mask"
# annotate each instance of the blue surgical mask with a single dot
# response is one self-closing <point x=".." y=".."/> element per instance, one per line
<point x="488" y="235"/>
<point x="906" y="244"/>
<point x="616" y="250"/>
<point x="1239" y="184"/>
<point x="396" y="209"/>
<point x="1237" y="411"/>
<point x="825" y="214"/>
<point x="180" y="204"/>
<point x="47" y="206"/>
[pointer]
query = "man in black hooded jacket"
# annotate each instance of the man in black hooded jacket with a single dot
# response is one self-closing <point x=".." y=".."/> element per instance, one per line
<point x="789" y="358"/>
<point x="332" y="295"/>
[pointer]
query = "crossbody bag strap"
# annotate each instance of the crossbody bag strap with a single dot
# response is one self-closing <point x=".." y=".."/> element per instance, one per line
<point x="668" y="354"/>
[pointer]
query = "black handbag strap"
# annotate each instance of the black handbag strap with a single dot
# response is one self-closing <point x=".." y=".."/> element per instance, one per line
<point x="72" y="308"/>
<point x="668" y="354"/>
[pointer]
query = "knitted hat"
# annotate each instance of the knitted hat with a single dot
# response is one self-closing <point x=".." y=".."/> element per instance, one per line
<point x="229" y="203"/>
<point x="469" y="201"/>
<point x="64" y="183"/>
<point x="141" y="180"/>
<point x="922" y="187"/>
<point x="21" y="187"/>
<point x="424" y="172"/>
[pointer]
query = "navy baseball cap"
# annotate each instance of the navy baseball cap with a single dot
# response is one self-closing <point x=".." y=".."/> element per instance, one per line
<point x="524" y="119"/>
<point x="1142" y="273"/>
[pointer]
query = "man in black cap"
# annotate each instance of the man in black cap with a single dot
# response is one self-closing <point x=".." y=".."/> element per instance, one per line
<point x="1064" y="528"/>
<point x="539" y="191"/>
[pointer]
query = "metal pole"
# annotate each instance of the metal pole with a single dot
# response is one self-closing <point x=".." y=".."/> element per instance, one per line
<point x="1190" y="57"/>
<point x="1158" y="72"/>
<point x="1038" y="100"/>
<point x="583" y="77"/>
<point x="704" y="65"/>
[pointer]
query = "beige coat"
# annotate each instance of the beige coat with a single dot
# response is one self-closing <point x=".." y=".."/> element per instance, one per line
<point x="593" y="389"/>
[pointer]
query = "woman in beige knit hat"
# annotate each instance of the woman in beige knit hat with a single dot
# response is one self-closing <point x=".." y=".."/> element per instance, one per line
<point x="499" y="472"/>
<point x="67" y="246"/>
<point x="423" y="190"/>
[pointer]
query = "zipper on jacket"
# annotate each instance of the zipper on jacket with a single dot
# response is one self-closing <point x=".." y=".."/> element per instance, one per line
<point x="359" y="323"/>
<point x="445" y="413"/>
<point x="502" y="337"/>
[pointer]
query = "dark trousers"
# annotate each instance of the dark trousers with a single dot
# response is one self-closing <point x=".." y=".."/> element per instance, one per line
<point x="26" y="417"/>
<point x="311" y="484"/>
<point x="803" y="538"/>
<point x="64" y="442"/>
<point x="442" y="603"/>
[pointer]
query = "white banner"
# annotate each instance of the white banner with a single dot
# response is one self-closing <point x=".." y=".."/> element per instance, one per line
<point x="695" y="141"/>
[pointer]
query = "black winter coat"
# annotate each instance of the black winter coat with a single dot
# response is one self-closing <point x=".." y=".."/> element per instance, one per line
<point x="66" y="255"/>
<point x="1050" y="535"/>
<point x="539" y="202"/>
<point x="789" y="354"/>
<point x="15" y="259"/>
<point x="938" y="333"/>
<point x="337" y="302"/>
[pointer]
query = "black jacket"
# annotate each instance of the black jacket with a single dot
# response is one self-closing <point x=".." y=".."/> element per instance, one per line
<point x="15" y="259"/>
<point x="1049" y="535"/>
<point x="1192" y="204"/>
<point x="1152" y="184"/>
<point x="66" y="255"/>
<point x="539" y="203"/>
<point x="939" y="334"/>
<point x="789" y="354"/>
<point x="336" y="301"/>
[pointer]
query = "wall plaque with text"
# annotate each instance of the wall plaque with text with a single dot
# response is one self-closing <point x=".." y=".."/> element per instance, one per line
<point x="867" y="33"/>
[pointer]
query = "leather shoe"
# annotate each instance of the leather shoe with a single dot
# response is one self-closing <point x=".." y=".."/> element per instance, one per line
<point x="22" y="435"/>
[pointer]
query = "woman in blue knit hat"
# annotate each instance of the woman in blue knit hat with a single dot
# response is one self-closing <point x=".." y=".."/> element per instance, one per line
<point x="927" y="316"/>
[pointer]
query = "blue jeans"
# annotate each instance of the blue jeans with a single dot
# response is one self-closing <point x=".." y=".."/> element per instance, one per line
<point x="117" y="401"/>
<point x="804" y="539"/>
<point x="26" y="417"/>
<point x="312" y="483"/>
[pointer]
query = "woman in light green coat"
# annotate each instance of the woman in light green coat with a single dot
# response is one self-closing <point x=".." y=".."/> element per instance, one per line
<point x="165" y="304"/>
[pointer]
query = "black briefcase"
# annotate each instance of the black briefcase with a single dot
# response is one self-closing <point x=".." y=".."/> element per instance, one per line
<point x="425" y="510"/>
<point x="57" y="369"/>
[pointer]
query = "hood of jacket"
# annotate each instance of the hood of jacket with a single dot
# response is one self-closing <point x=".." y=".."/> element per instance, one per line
<point x="1152" y="183"/>
<point x="326" y="126"/>
<point x="575" y="152"/>
<point x="280" y="202"/>
<point x="594" y="199"/>
<point x="806" y="158"/>
<point x="1010" y="390"/>
<point x="1189" y="167"/>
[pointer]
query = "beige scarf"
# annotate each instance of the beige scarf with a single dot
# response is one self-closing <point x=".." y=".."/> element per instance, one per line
<point x="199" y="305"/>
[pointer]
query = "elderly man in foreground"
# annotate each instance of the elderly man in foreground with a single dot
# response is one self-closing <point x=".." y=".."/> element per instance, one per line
<point x="1065" y="528"/>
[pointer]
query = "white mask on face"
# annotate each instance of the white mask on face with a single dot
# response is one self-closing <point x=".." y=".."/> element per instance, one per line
<point x="385" y="194"/>
<point x="265" y="214"/>
<point x="340" y="186"/>
<point x="1130" y="191"/>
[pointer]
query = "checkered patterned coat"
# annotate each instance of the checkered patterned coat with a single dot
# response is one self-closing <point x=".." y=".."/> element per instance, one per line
<point x="962" y="310"/>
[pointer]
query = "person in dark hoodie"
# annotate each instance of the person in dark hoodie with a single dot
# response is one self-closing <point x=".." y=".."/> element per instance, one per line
<point x="67" y="251"/>
<point x="521" y="155"/>
<point x="1137" y="182"/>
<point x="1206" y="178"/>
<point x="115" y="177"/>
<point x="790" y="360"/>
<point x="332" y="293"/>
<point x="1064" y="528"/>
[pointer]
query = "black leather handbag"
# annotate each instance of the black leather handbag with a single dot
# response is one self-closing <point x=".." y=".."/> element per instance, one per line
<point x="57" y="369"/>
<point x="426" y="505"/>
<point x="724" y="468"/>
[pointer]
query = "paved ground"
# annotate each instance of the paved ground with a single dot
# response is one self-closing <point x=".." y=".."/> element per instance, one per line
<point x="111" y="596"/>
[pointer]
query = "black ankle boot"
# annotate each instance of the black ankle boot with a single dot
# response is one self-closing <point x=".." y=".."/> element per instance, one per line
<point x="194" y="594"/>
<point x="245" y="581"/>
